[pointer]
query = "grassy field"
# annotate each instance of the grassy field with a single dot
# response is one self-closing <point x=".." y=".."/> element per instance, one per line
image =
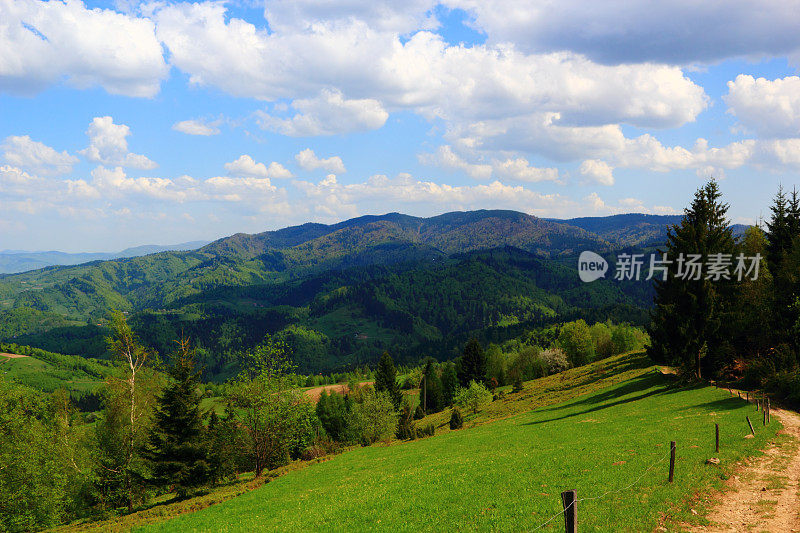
<point x="610" y="431"/>
<point x="45" y="376"/>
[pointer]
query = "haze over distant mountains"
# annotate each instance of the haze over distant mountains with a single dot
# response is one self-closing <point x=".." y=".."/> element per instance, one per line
<point x="13" y="261"/>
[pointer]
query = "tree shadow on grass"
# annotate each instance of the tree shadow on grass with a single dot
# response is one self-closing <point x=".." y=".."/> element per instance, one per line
<point x="651" y="384"/>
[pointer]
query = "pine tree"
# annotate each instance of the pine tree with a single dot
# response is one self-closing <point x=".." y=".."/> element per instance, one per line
<point x="177" y="452"/>
<point x="472" y="365"/>
<point x="690" y="313"/>
<point x="430" y="394"/>
<point x="780" y="228"/>
<point x="782" y="241"/>
<point x="386" y="379"/>
<point x="449" y="383"/>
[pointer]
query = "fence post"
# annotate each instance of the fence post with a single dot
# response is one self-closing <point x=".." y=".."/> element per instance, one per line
<point x="769" y="412"/>
<point x="765" y="417"/>
<point x="569" y="498"/>
<point x="671" y="460"/>
<point x="747" y="395"/>
<point x="751" y="426"/>
<point x="716" y="428"/>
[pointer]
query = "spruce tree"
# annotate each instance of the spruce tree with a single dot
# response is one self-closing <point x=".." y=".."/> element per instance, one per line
<point x="782" y="235"/>
<point x="177" y="452"/>
<point x="386" y="379"/>
<point x="472" y="365"/>
<point x="691" y="313"/>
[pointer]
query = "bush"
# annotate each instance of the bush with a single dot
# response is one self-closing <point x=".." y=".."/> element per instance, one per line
<point x="456" y="419"/>
<point x="419" y="414"/>
<point x="473" y="397"/>
<point x="405" y="426"/>
<point x="555" y="360"/>
<point x="427" y="431"/>
<point x="518" y="383"/>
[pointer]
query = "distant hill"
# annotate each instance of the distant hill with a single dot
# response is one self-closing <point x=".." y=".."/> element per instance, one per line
<point x="632" y="229"/>
<point x="14" y="261"/>
<point x="339" y="294"/>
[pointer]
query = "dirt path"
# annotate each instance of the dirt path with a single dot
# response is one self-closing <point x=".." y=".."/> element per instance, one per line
<point x="340" y="388"/>
<point x="765" y="494"/>
<point x="12" y="355"/>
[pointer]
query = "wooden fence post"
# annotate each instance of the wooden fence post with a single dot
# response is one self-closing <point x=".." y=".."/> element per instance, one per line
<point x="716" y="428"/>
<point x="751" y="426"/>
<point x="765" y="417"/>
<point x="569" y="498"/>
<point x="671" y="460"/>
<point x="747" y="395"/>
<point x="769" y="412"/>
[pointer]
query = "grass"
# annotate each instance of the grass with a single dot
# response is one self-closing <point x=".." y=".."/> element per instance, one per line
<point x="46" y="377"/>
<point x="610" y="429"/>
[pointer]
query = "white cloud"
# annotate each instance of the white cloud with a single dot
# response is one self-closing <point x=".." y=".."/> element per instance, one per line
<point x="196" y="127"/>
<point x="328" y="114"/>
<point x="420" y="72"/>
<point x="308" y="160"/>
<point x="769" y="107"/>
<point x="246" y="166"/>
<point x="115" y="182"/>
<point x="637" y="31"/>
<point x="37" y="157"/>
<point x="598" y="171"/>
<point x="108" y="145"/>
<point x="42" y="43"/>
<point x="445" y="157"/>
<point x="520" y="170"/>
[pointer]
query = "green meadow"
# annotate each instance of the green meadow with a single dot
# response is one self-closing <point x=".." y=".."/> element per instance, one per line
<point x="608" y="438"/>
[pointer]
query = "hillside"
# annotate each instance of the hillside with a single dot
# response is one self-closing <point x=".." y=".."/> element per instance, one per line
<point x="603" y="429"/>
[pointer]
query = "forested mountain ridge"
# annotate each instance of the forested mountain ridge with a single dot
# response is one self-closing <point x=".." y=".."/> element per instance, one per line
<point x="337" y="294"/>
<point x="158" y="280"/>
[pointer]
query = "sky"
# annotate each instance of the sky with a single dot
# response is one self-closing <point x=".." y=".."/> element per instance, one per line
<point x="125" y="123"/>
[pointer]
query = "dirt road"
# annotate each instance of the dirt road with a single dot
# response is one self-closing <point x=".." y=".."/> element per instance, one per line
<point x="765" y="494"/>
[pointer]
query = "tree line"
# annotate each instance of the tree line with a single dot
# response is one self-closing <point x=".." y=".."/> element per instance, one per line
<point x="745" y="330"/>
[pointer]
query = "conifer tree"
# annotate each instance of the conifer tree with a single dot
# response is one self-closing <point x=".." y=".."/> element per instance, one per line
<point x="386" y="379"/>
<point x="177" y="452"/>
<point x="692" y="312"/>
<point x="472" y="365"/>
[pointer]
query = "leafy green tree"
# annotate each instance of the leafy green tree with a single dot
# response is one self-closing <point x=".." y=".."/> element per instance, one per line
<point x="472" y="365"/>
<point x="177" y="451"/>
<point x="430" y="394"/>
<point x="374" y="417"/>
<point x="224" y="443"/>
<point x="575" y="339"/>
<point x="473" y="397"/>
<point x="691" y="312"/>
<point x="386" y="379"/>
<point x="125" y="422"/>
<point x="274" y="418"/>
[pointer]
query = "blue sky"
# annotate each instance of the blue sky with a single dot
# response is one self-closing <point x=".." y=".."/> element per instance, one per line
<point x="125" y="123"/>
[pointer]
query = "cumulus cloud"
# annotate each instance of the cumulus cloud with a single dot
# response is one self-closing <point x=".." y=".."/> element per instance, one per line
<point x="520" y="170"/>
<point x="245" y="166"/>
<point x="769" y="107"/>
<point x="45" y="42"/>
<point x="108" y="145"/>
<point x="446" y="158"/>
<point x="636" y="31"/>
<point x="598" y="171"/>
<point x="308" y="160"/>
<point x="23" y="152"/>
<point x="328" y="114"/>
<point x="197" y="127"/>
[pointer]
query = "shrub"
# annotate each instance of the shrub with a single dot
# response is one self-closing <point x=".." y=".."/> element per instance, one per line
<point x="555" y="360"/>
<point x="427" y="431"/>
<point x="419" y="413"/>
<point x="518" y="383"/>
<point x="456" y="419"/>
<point x="473" y="397"/>
<point x="405" y="426"/>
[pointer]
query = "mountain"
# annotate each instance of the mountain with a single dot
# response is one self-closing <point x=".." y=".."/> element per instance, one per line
<point x="632" y="229"/>
<point x="337" y="294"/>
<point x="15" y="261"/>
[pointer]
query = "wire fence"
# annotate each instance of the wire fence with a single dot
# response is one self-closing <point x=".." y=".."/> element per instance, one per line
<point x="607" y="493"/>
